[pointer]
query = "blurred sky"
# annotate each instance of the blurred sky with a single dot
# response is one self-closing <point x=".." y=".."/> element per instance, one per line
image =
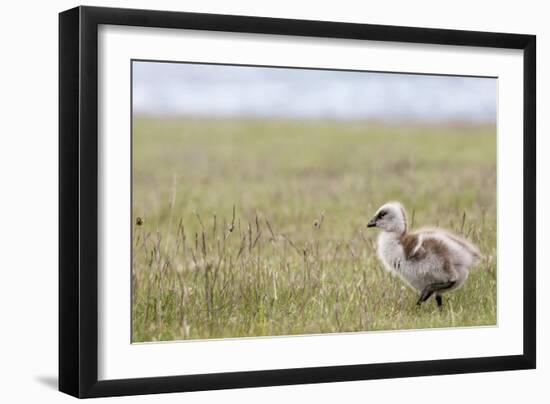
<point x="238" y="91"/>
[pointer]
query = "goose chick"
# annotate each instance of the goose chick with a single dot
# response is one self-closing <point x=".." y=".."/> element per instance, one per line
<point x="430" y="260"/>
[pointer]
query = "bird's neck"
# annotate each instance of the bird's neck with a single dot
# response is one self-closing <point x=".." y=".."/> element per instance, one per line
<point x="398" y="232"/>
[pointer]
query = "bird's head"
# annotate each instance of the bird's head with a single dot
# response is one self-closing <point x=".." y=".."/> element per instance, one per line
<point x="390" y="217"/>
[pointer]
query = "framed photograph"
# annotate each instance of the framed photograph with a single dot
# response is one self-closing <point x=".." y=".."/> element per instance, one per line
<point x="250" y="201"/>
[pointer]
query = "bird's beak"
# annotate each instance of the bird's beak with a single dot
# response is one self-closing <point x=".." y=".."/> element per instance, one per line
<point x="372" y="222"/>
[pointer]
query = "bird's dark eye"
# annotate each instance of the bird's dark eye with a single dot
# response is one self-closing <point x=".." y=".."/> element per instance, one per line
<point x="382" y="214"/>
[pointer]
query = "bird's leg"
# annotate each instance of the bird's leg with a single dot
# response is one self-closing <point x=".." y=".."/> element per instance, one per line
<point x="425" y="295"/>
<point x="441" y="285"/>
<point x="439" y="300"/>
<point x="434" y="287"/>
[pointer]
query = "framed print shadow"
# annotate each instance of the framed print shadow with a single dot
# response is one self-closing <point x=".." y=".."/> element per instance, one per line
<point x="249" y="201"/>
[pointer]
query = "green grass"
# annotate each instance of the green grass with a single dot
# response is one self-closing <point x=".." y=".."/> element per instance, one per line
<point x="296" y="257"/>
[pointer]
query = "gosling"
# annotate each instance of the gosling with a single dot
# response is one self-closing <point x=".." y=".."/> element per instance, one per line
<point x="431" y="261"/>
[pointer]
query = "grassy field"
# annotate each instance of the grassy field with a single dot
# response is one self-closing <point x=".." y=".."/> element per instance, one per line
<point x="256" y="228"/>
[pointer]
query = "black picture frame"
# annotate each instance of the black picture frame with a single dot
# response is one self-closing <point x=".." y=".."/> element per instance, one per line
<point x="78" y="201"/>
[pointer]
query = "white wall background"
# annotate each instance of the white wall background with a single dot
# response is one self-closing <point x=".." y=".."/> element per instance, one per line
<point x="28" y="199"/>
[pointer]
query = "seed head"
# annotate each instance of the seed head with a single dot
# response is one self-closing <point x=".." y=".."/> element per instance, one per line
<point x="317" y="223"/>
